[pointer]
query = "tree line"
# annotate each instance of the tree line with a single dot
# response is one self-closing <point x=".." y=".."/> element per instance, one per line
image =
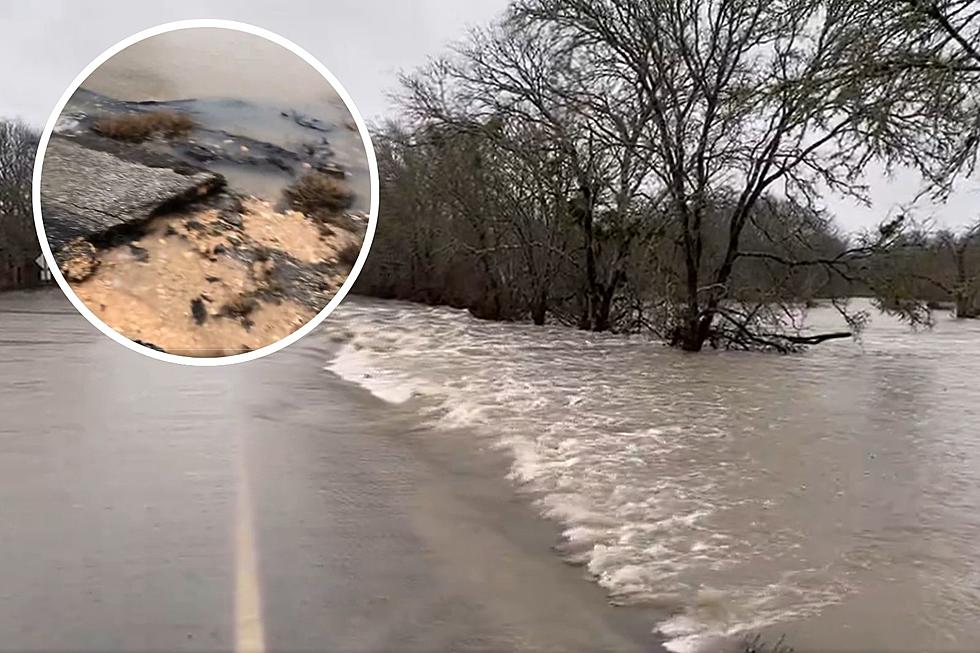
<point x="662" y="165"/>
<point x="18" y="239"/>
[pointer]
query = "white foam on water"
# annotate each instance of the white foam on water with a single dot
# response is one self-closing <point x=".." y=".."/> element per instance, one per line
<point x="574" y="450"/>
<point x="631" y="448"/>
<point x="357" y="367"/>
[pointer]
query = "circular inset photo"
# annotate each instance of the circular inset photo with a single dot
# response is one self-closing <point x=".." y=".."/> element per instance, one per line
<point x="205" y="192"/>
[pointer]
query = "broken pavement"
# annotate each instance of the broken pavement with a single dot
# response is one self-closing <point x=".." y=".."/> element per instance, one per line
<point x="166" y="255"/>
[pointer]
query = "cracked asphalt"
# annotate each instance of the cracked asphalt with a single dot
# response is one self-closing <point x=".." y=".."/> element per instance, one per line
<point x="86" y="191"/>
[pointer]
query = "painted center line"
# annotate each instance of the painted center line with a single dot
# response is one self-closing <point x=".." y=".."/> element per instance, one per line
<point x="249" y="629"/>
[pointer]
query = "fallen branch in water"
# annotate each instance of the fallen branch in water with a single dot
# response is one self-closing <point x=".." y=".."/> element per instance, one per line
<point x="817" y="339"/>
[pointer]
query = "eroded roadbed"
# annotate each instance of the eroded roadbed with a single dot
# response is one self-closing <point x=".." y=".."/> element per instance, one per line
<point x="167" y="253"/>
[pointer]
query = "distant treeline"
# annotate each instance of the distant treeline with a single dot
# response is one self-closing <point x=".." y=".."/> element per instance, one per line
<point x="624" y="165"/>
<point x="18" y="239"/>
<point x="930" y="270"/>
<point x="462" y="226"/>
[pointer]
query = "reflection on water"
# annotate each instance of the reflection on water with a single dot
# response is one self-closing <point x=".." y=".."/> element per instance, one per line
<point x="224" y="67"/>
<point x="829" y="496"/>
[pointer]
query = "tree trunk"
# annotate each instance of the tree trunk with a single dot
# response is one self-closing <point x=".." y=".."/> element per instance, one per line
<point x="692" y="338"/>
<point x="587" y="322"/>
<point x="539" y="310"/>
<point x="696" y="329"/>
<point x="486" y="308"/>
<point x="602" y="309"/>
<point x="964" y="302"/>
<point x="592" y="292"/>
<point x="965" y="310"/>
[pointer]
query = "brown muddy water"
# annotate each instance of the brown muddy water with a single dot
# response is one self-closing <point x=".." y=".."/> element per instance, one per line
<point x="224" y="67"/>
<point x="141" y="501"/>
<point x="831" y="496"/>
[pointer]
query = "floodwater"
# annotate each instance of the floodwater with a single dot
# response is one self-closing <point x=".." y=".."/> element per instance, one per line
<point x="265" y="506"/>
<point x="830" y="497"/>
<point x="243" y="83"/>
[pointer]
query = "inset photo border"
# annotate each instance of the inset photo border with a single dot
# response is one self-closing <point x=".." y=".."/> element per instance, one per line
<point x="372" y="211"/>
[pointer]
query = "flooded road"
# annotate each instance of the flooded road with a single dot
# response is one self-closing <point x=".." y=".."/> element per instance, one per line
<point x="265" y="506"/>
<point x="830" y="497"/>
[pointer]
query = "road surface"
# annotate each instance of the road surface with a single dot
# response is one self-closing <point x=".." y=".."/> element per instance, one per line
<point x="267" y="506"/>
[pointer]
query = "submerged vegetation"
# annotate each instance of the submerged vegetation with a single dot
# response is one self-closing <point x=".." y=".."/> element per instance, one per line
<point x="663" y="166"/>
<point x="755" y="644"/>
<point x="140" y="127"/>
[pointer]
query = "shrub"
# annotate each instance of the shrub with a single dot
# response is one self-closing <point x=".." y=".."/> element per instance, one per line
<point x="139" y="127"/>
<point x="318" y="192"/>
<point x="348" y="254"/>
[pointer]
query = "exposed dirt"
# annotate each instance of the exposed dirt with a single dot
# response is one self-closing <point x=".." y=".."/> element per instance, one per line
<point x="291" y="232"/>
<point x="211" y="280"/>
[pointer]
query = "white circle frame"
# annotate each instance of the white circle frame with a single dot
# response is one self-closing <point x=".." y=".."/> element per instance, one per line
<point x="372" y="215"/>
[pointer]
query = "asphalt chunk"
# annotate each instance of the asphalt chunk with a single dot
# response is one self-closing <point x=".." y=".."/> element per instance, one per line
<point x="87" y="192"/>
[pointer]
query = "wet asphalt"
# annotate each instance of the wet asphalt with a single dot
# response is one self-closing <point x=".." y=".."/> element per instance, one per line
<point x="266" y="506"/>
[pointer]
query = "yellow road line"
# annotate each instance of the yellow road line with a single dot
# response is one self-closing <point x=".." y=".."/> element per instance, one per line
<point x="249" y="629"/>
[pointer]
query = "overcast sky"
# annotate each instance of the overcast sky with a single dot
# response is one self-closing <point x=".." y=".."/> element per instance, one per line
<point x="363" y="42"/>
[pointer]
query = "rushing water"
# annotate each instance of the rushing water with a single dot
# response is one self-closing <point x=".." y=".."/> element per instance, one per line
<point x="830" y="496"/>
<point x="128" y="488"/>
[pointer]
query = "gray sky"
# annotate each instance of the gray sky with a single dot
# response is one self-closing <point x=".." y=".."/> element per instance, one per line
<point x="364" y="43"/>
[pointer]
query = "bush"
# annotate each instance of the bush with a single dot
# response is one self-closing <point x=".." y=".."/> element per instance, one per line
<point x="139" y="127"/>
<point x="348" y="254"/>
<point x="318" y="192"/>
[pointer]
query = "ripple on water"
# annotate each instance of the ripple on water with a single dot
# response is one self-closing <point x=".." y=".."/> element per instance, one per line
<point x="741" y="491"/>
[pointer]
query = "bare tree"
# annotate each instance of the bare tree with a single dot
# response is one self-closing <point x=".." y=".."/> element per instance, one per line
<point x="927" y="269"/>
<point x="940" y="40"/>
<point x="521" y="89"/>
<point x="18" y="144"/>
<point x="661" y="164"/>
<point x="746" y="99"/>
<point x="966" y="275"/>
